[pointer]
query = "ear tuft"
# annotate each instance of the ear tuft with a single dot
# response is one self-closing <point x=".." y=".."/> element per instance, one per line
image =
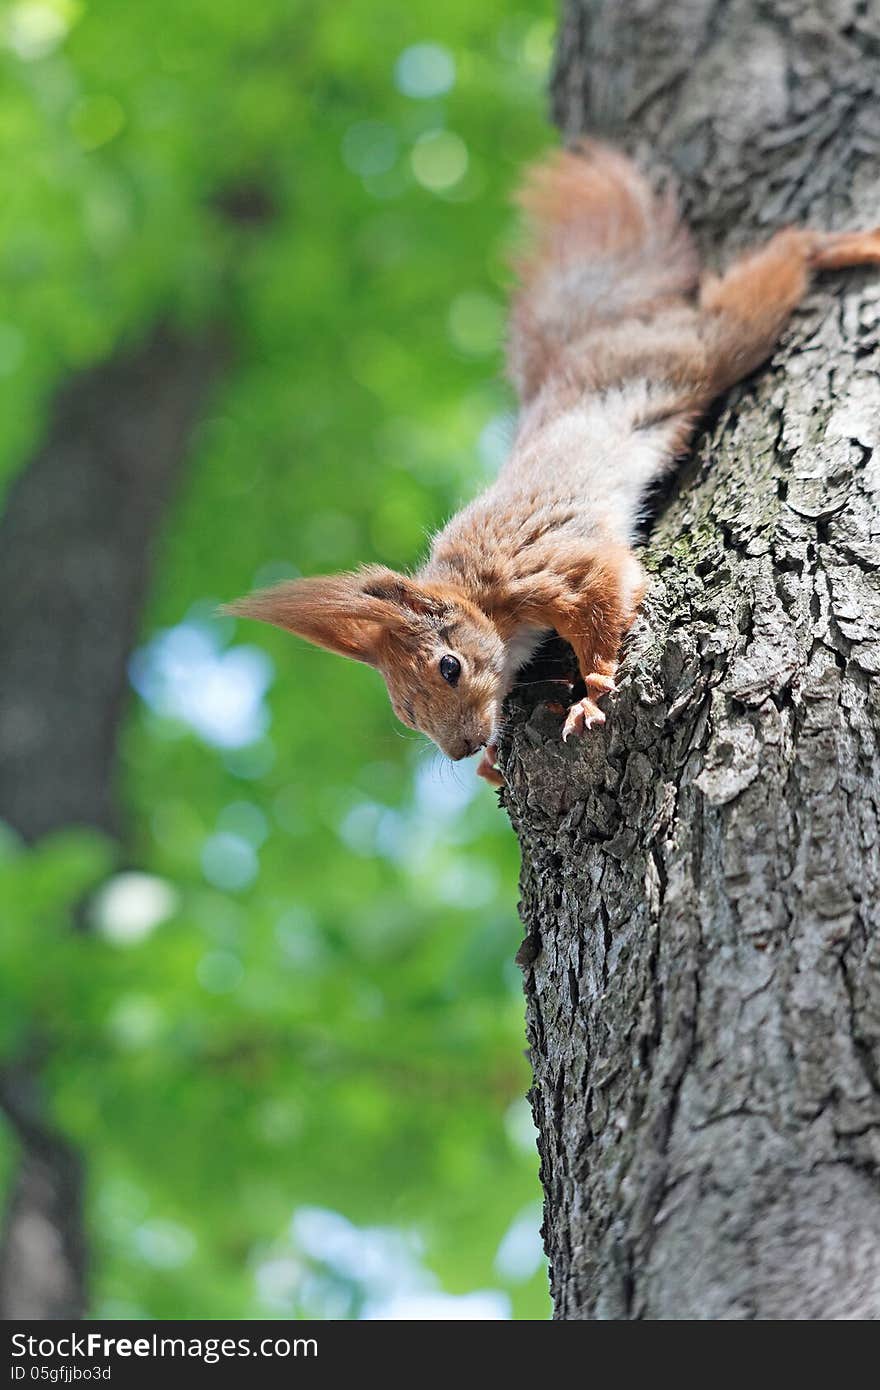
<point x="402" y="592"/>
<point x="345" y="613"/>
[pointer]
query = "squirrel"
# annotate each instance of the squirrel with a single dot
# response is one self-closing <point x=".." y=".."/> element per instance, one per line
<point x="617" y="344"/>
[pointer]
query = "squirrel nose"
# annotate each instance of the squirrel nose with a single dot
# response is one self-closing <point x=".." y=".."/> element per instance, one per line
<point x="465" y="750"/>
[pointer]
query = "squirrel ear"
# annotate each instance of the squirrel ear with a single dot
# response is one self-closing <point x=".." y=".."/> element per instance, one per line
<point x="345" y="613"/>
<point x="399" y="591"/>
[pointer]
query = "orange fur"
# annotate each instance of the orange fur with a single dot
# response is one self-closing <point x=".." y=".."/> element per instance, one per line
<point x="615" y="348"/>
<point x="605" y="248"/>
<point x="399" y="625"/>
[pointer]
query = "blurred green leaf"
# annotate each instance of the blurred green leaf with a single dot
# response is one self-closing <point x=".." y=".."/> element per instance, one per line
<point x="338" y="1024"/>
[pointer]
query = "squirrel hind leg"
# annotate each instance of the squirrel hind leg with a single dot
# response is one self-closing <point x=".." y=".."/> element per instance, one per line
<point x="744" y="311"/>
<point x="837" y="250"/>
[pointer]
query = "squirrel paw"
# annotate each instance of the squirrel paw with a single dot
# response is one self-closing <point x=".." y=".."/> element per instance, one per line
<point x="486" y="766"/>
<point x="599" y="684"/>
<point x="582" y="716"/>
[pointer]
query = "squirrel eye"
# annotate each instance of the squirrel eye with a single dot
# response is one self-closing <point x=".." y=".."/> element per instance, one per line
<point x="450" y="669"/>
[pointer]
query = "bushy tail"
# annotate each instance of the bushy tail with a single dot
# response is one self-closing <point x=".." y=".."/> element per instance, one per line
<point x="605" y="247"/>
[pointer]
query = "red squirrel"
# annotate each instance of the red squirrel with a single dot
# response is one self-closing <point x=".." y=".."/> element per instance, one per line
<point x="617" y="344"/>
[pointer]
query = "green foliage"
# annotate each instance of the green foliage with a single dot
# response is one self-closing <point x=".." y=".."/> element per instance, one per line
<point x="311" y="1001"/>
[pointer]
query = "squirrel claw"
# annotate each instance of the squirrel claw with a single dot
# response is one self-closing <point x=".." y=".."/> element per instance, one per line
<point x="582" y="716"/>
<point x="486" y="766"/>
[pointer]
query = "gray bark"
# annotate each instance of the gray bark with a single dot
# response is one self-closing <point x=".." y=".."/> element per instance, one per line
<point x="700" y="878"/>
<point x="76" y="539"/>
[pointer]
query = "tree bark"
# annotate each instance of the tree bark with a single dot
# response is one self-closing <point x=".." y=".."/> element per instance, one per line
<point x="700" y="878"/>
<point x="75" y="545"/>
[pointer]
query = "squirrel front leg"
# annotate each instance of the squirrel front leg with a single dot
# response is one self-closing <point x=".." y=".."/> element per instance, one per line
<point x="598" y="676"/>
<point x="486" y="767"/>
<point x="594" y="625"/>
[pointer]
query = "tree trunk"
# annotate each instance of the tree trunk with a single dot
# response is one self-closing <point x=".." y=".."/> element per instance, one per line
<point x="75" y="544"/>
<point x="700" y="878"/>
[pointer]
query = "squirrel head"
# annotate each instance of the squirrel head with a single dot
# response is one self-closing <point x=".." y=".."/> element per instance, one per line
<point x="442" y="658"/>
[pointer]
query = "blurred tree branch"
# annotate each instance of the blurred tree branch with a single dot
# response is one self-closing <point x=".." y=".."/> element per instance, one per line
<point x="76" y="542"/>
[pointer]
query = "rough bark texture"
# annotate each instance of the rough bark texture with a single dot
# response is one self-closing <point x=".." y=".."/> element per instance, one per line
<point x="700" y="879"/>
<point x="75" y="544"/>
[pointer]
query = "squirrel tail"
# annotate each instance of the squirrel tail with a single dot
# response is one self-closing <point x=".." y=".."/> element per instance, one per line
<point x="605" y="247"/>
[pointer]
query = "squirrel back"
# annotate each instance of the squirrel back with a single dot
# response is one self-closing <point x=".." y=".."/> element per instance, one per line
<point x="605" y="248"/>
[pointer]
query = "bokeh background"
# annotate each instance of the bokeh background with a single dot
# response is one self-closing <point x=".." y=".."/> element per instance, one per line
<point x="279" y="1017"/>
